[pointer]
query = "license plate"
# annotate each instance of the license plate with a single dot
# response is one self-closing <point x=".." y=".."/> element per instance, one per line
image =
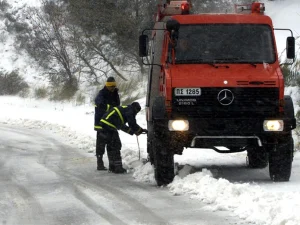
<point x="187" y="91"/>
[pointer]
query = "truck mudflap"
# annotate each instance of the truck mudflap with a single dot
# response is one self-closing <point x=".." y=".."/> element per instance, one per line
<point x="289" y="120"/>
<point x="289" y="124"/>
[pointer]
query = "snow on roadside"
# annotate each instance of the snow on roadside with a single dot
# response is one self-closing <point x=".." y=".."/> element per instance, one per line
<point x="248" y="201"/>
<point x="295" y="95"/>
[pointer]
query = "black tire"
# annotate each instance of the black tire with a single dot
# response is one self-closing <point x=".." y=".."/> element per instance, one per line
<point x="281" y="158"/>
<point x="288" y="107"/>
<point x="163" y="167"/>
<point x="150" y="143"/>
<point x="257" y="158"/>
<point x="150" y="153"/>
<point x="163" y="159"/>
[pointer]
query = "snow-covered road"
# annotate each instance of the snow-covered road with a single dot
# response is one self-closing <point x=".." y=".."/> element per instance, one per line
<point x="46" y="182"/>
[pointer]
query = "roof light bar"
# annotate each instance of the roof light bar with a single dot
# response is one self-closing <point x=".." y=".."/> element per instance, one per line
<point x="176" y="8"/>
<point x="185" y="8"/>
<point x="255" y="7"/>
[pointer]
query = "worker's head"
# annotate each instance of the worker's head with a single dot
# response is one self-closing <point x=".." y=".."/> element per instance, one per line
<point x="136" y="106"/>
<point x="111" y="84"/>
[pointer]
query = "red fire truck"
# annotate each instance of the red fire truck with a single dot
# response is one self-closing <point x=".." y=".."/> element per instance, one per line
<point x="215" y="80"/>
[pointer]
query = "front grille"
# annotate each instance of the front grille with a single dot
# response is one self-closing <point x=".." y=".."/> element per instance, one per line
<point x="258" y="102"/>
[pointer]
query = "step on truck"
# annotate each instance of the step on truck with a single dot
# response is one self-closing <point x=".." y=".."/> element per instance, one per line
<point x="215" y="80"/>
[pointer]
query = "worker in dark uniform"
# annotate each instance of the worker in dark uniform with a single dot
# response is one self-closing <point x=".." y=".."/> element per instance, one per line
<point x="107" y="98"/>
<point x="118" y="118"/>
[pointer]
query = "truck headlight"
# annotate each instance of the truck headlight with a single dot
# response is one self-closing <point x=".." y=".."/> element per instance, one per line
<point x="178" y="125"/>
<point x="273" y="125"/>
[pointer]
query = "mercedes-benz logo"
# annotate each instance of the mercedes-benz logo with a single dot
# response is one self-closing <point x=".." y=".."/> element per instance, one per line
<point x="225" y="97"/>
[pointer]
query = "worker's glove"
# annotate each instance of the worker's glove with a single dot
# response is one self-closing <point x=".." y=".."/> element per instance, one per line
<point x="145" y="131"/>
<point x="140" y="131"/>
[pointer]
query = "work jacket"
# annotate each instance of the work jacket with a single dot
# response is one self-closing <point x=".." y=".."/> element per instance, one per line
<point x="120" y="118"/>
<point x="104" y="101"/>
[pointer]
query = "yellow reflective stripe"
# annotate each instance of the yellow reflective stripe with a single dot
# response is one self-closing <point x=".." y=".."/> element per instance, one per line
<point x="109" y="115"/>
<point x="108" y="123"/>
<point x="107" y="107"/>
<point x="120" y="115"/>
<point x="98" y="127"/>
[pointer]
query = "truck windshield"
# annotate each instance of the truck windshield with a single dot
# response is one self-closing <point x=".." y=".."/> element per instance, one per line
<point x="225" y="43"/>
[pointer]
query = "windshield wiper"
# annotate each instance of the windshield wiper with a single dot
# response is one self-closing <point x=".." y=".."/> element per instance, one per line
<point x="183" y="61"/>
<point x="194" y="61"/>
<point x="252" y="64"/>
<point x="213" y="65"/>
<point x="221" y="60"/>
<point x="233" y="60"/>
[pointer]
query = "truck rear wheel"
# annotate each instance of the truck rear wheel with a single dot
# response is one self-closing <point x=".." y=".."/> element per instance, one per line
<point x="281" y="158"/>
<point x="257" y="158"/>
<point x="163" y="159"/>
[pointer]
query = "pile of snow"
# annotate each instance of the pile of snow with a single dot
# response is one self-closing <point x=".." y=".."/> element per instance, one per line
<point x="250" y="202"/>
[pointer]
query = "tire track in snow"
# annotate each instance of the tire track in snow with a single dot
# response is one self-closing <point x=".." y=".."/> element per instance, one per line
<point x="135" y="203"/>
<point x="84" y="188"/>
<point x="17" y="204"/>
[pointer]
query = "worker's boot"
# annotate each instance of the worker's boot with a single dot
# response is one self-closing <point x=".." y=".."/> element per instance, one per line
<point x="111" y="157"/>
<point x="115" y="162"/>
<point x="119" y="168"/>
<point x="118" y="163"/>
<point x="100" y="164"/>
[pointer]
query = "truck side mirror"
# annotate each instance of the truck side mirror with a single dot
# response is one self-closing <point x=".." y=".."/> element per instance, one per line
<point x="290" y="47"/>
<point x="143" y="45"/>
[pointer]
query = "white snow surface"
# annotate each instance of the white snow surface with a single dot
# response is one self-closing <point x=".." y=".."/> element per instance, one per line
<point x="262" y="203"/>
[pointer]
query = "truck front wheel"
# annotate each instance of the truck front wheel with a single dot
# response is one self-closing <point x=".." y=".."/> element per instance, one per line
<point x="281" y="158"/>
<point x="163" y="158"/>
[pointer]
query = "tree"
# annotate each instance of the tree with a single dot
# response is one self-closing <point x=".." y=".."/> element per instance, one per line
<point x="122" y="21"/>
<point x="49" y="43"/>
<point x="69" y="53"/>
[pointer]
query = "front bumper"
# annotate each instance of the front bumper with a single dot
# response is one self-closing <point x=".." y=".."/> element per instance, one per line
<point x="235" y="126"/>
<point x="208" y="132"/>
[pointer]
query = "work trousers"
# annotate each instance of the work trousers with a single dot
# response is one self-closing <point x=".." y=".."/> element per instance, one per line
<point x="111" y="140"/>
<point x="100" y="144"/>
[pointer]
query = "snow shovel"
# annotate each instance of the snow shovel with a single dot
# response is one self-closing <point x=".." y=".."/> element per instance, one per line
<point x="144" y="161"/>
<point x="137" y="140"/>
<point x="139" y="161"/>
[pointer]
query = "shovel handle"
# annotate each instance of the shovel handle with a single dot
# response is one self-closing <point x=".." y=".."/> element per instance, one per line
<point x="137" y="140"/>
